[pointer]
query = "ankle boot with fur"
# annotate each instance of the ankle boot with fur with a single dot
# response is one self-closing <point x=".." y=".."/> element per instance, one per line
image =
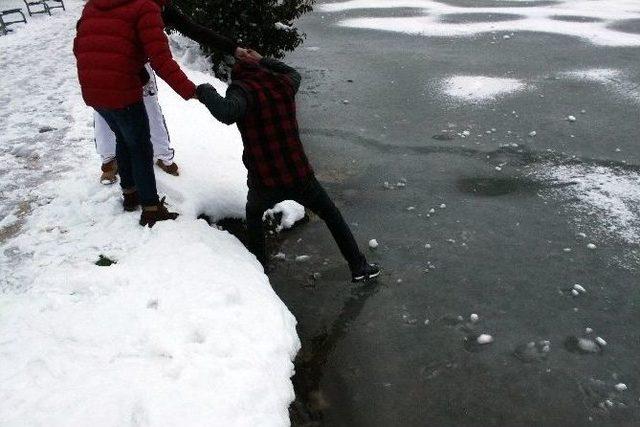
<point x="109" y="172"/>
<point x="130" y="201"/>
<point x="152" y="214"/>
<point x="171" y="169"/>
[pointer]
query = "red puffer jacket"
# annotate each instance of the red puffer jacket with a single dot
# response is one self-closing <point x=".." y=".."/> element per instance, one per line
<point x="115" y="39"/>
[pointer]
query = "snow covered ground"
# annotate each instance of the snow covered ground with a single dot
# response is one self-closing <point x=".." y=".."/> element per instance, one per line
<point x="184" y="329"/>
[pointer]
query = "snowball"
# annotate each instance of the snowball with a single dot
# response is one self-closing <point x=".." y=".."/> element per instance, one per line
<point x="571" y="118"/>
<point x="591" y="246"/>
<point x="443" y="206"/>
<point x="373" y="243"/>
<point x="601" y="341"/>
<point x="484" y="339"/>
<point x="588" y="330"/>
<point x="587" y="345"/>
<point x="533" y="133"/>
<point x="280" y="256"/>
<point x="302" y="258"/>
<point x="579" y="288"/>
<point x="474" y="318"/>
<point x="621" y="386"/>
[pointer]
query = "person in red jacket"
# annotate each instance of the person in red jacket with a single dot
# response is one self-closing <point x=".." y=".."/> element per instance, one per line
<point x="115" y="38"/>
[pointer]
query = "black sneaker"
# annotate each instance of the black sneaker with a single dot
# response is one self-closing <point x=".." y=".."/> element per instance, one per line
<point x="161" y="213"/>
<point x="130" y="201"/>
<point x="365" y="272"/>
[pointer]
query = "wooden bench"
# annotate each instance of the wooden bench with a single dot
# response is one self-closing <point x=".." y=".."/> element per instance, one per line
<point x="35" y="7"/>
<point x="4" y="23"/>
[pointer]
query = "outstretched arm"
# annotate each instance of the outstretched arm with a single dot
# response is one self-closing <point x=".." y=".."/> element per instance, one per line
<point x="227" y="110"/>
<point x="174" y="17"/>
<point x="150" y="30"/>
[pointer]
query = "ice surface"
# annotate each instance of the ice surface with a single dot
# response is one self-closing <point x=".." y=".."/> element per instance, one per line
<point x="612" y="79"/>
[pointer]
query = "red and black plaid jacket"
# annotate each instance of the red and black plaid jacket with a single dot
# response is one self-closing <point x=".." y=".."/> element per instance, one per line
<point x="273" y="152"/>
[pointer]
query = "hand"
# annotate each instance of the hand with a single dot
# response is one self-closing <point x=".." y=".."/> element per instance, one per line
<point x="252" y="55"/>
<point x="241" y="54"/>
<point x="202" y="90"/>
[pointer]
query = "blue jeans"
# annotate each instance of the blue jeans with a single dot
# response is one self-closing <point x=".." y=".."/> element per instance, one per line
<point x="134" y="151"/>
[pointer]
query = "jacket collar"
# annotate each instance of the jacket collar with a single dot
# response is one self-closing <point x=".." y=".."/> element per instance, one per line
<point x="110" y="4"/>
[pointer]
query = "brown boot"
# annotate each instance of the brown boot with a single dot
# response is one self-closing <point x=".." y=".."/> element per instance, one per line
<point x="152" y="214"/>
<point x="130" y="200"/>
<point x="171" y="169"/>
<point x="109" y="172"/>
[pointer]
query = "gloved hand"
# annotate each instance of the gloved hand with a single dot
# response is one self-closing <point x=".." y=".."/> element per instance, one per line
<point x="205" y="91"/>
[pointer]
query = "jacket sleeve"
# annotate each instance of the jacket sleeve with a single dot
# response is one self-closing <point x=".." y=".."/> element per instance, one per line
<point x="150" y="29"/>
<point x="282" y="68"/>
<point x="181" y="22"/>
<point x="227" y="110"/>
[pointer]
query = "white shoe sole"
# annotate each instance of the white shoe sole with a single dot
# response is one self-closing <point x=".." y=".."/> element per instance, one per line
<point x="108" y="181"/>
<point x="365" y="278"/>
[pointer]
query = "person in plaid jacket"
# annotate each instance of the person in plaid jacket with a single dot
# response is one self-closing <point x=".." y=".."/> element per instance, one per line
<point x="261" y="101"/>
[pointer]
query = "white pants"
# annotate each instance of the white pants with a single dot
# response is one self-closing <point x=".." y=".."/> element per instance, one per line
<point x="106" y="139"/>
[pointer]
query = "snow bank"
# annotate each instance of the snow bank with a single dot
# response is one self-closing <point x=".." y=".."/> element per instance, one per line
<point x="480" y="88"/>
<point x="184" y="329"/>
<point x="595" y="21"/>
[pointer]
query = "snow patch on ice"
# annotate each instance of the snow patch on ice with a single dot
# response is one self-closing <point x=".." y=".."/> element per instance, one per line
<point x="613" y="80"/>
<point x="600" y="197"/>
<point x="480" y="88"/>
<point x="534" y="18"/>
